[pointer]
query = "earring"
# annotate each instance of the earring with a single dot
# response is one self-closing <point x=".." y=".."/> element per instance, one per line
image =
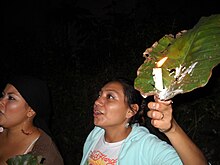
<point x="26" y="128"/>
<point x="126" y="125"/>
<point x="26" y="132"/>
<point x="1" y="129"/>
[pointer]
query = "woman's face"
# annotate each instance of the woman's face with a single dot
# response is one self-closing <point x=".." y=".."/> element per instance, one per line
<point x="13" y="107"/>
<point x="110" y="108"/>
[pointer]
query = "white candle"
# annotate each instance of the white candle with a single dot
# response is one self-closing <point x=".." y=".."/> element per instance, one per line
<point x="157" y="74"/>
<point x="158" y="78"/>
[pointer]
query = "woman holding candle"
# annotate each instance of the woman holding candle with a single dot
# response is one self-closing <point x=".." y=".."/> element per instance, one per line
<point x="118" y="137"/>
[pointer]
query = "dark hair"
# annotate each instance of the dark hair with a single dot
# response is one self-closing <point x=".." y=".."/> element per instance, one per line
<point x="36" y="94"/>
<point x="133" y="96"/>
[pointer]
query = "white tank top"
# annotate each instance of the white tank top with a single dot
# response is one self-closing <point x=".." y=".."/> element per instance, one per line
<point x="105" y="153"/>
<point x="30" y="146"/>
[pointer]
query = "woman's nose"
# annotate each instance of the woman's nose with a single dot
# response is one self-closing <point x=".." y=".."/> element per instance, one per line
<point x="99" y="101"/>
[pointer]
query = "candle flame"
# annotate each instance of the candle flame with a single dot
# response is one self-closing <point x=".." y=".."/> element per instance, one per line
<point x="161" y="62"/>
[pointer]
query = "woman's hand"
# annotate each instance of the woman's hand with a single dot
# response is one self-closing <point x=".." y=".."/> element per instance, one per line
<point x="161" y="117"/>
<point x="161" y="114"/>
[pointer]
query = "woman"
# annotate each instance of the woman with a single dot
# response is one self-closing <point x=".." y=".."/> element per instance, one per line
<point x="24" y="113"/>
<point x="118" y="139"/>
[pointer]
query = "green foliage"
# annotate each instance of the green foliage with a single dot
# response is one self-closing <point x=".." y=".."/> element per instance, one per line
<point x="27" y="159"/>
<point x="191" y="57"/>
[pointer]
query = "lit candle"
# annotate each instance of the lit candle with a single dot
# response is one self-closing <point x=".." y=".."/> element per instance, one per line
<point x="158" y="78"/>
<point x="157" y="74"/>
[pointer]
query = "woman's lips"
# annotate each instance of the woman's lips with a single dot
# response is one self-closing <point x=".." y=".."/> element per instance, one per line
<point x="97" y="113"/>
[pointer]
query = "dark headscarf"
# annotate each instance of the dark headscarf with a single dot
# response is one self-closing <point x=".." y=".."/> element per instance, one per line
<point x="36" y="93"/>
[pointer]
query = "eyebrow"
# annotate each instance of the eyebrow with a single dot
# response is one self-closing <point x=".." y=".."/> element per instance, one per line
<point x="111" y="90"/>
<point x="10" y="93"/>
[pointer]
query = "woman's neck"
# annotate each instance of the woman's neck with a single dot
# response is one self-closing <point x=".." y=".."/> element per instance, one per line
<point x="116" y="135"/>
<point x="10" y="134"/>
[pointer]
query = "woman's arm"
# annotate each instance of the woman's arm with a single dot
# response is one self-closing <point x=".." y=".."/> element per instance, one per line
<point x="161" y="117"/>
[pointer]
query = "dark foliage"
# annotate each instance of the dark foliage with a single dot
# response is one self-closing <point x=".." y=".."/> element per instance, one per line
<point x="76" y="51"/>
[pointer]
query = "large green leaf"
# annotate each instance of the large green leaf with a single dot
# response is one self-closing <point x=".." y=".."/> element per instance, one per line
<point x="26" y="159"/>
<point x="191" y="56"/>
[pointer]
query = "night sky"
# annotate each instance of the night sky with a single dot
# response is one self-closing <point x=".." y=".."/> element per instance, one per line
<point x="26" y="16"/>
<point x="36" y="23"/>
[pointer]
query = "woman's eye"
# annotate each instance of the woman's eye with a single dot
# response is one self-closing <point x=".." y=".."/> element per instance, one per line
<point x="98" y="96"/>
<point x="110" y="97"/>
<point x="11" y="98"/>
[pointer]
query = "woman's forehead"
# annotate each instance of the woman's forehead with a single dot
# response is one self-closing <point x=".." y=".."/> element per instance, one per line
<point x="11" y="89"/>
<point x="113" y="86"/>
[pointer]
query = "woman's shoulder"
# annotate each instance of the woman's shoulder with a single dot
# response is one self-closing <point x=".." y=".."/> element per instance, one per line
<point x="44" y="137"/>
<point x="46" y="147"/>
<point x="141" y="133"/>
<point x="44" y="142"/>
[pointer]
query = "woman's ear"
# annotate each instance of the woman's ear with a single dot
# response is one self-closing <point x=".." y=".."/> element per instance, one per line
<point x="134" y="109"/>
<point x="31" y="112"/>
